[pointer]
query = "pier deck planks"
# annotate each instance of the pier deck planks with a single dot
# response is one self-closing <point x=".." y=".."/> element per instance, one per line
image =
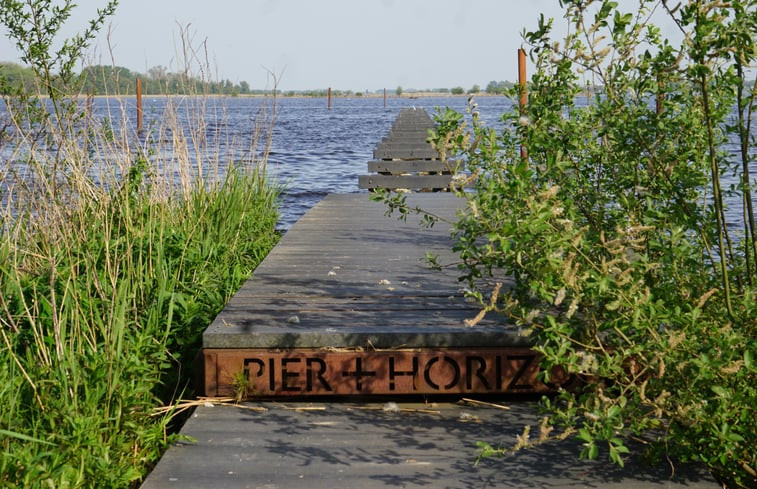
<point x="346" y="304"/>
<point x="360" y="445"/>
<point x="405" y="158"/>
<point x="357" y="442"/>
<point x="346" y="275"/>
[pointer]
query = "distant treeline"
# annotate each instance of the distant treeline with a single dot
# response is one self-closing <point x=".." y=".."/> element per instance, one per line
<point x="13" y="75"/>
<point x="117" y="80"/>
<point x="102" y="80"/>
<point x="494" y="87"/>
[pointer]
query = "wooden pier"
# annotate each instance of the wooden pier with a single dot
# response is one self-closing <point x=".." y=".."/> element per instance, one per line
<point x="346" y="309"/>
<point x="345" y="304"/>
<point x="405" y="160"/>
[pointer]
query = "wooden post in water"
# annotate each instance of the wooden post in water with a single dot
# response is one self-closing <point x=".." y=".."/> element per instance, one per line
<point x="329" y="98"/>
<point x="139" y="106"/>
<point x="523" y="93"/>
<point x="385" y="98"/>
<point x="588" y="93"/>
<point x="90" y="99"/>
<point x="88" y="120"/>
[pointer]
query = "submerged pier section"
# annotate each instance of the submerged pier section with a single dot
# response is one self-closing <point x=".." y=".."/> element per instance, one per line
<point x="405" y="160"/>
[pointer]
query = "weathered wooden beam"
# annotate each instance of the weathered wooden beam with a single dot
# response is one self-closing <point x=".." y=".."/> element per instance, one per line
<point x="303" y="372"/>
<point x="403" y="146"/>
<point x="417" y="136"/>
<point x="413" y="166"/>
<point x="411" y="182"/>
<point x="405" y="153"/>
<point x="411" y="128"/>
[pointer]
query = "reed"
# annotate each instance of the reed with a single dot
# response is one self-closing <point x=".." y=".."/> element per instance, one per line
<point x="115" y="253"/>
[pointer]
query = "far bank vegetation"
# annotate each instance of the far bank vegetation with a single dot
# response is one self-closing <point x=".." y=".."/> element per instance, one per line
<point x="119" y="80"/>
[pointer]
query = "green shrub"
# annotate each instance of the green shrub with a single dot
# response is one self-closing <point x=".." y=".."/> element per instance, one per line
<point x="101" y="316"/>
<point x="611" y="217"/>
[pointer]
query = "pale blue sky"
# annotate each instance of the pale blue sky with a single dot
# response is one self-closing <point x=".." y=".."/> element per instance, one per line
<point x="345" y="44"/>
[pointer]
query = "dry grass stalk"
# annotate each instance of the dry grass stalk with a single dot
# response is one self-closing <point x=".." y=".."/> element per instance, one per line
<point x="184" y="404"/>
<point x="484" y="404"/>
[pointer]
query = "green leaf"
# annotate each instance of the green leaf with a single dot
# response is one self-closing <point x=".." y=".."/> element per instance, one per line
<point x="615" y="456"/>
<point x="735" y="437"/>
<point x="23" y="437"/>
<point x="622" y="449"/>
<point x="485" y="451"/>
<point x="585" y="435"/>
<point x="593" y="451"/>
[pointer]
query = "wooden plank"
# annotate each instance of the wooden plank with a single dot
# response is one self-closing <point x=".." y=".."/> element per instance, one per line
<point x="413" y="166"/>
<point x="412" y="128"/>
<point x="306" y="372"/>
<point x="345" y="326"/>
<point x="419" y="134"/>
<point x="415" y="115"/>
<point x="417" y="130"/>
<point x="420" y="130"/>
<point x="358" y="304"/>
<point x="405" y="138"/>
<point x="393" y="146"/>
<point x="406" y="153"/>
<point x="404" y="181"/>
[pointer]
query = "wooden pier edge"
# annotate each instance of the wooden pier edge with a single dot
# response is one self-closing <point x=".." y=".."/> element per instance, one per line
<point x="346" y="305"/>
<point x="302" y="372"/>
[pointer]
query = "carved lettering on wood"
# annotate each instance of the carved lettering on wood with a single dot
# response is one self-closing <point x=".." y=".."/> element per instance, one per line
<point x="315" y="372"/>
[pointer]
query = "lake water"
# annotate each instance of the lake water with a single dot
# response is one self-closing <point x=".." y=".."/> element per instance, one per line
<point x="315" y="151"/>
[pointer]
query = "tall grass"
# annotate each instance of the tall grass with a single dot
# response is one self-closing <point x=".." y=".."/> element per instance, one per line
<point x="116" y="251"/>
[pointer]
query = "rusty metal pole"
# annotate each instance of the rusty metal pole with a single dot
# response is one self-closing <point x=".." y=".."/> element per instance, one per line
<point x="139" y="106"/>
<point x="90" y="99"/>
<point x="523" y="93"/>
<point x="88" y="120"/>
<point x="329" y="103"/>
<point x="588" y="93"/>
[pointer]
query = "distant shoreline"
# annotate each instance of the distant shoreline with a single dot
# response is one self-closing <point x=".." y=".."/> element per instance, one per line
<point x="409" y="96"/>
